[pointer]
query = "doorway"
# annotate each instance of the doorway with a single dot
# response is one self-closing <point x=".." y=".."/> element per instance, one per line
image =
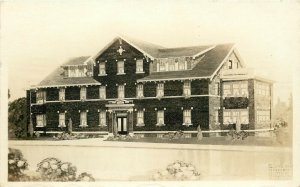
<point x="122" y="125"/>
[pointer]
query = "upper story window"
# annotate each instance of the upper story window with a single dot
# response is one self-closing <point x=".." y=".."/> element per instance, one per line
<point x="83" y="93"/>
<point x="181" y="65"/>
<point x="187" y="117"/>
<point x="41" y="120"/>
<point x="102" y="70"/>
<point x="235" y="89"/>
<point x="121" y="67"/>
<point x="140" y="90"/>
<point x="140" y="118"/>
<point x="230" y="64"/>
<point x="162" y="66"/>
<point x="102" y="92"/>
<point x="121" y="91"/>
<point x="172" y="66"/>
<point x="102" y="118"/>
<point x="41" y="96"/>
<point x="62" y="120"/>
<point x="226" y="89"/>
<point x="139" y="66"/>
<point x="187" y="88"/>
<point x="83" y="119"/>
<point x="160" y="118"/>
<point x="160" y="90"/>
<point x="263" y="89"/>
<point x="62" y="94"/>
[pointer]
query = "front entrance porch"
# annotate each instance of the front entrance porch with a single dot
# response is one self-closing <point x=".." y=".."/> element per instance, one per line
<point x="120" y="117"/>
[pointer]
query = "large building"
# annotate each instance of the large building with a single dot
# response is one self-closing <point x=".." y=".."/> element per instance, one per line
<point x="132" y="87"/>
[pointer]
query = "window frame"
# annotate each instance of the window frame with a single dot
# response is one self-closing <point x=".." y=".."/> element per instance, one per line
<point x="160" y="90"/>
<point x="102" y="92"/>
<point x="120" y="66"/>
<point x="83" y="93"/>
<point x="121" y="89"/>
<point x="187" y="115"/>
<point x="187" y="88"/>
<point x="102" y="118"/>
<point x="83" y="119"/>
<point x="140" y="90"/>
<point x="140" y="118"/>
<point x="160" y="118"/>
<point x="62" y="94"/>
<point x="42" y="122"/>
<point x="102" y="69"/>
<point x="140" y="66"/>
<point x="62" y="119"/>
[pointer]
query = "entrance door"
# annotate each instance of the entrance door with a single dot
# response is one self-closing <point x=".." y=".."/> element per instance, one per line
<point x="122" y="125"/>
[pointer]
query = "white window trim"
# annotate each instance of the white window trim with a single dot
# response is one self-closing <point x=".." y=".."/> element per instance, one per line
<point x="140" y="91"/>
<point x="160" y="89"/>
<point x="83" y="93"/>
<point x="163" y="118"/>
<point x="141" y="112"/>
<point x="41" y="96"/>
<point x="62" y="94"/>
<point x="185" y="116"/>
<point x="62" y="123"/>
<point x="187" y="87"/>
<point x="118" y="68"/>
<point x="137" y="66"/>
<point x="119" y="91"/>
<point x="83" y="122"/>
<point x="104" y="92"/>
<point x="100" y="72"/>
<point x="102" y="120"/>
<point x="43" y="120"/>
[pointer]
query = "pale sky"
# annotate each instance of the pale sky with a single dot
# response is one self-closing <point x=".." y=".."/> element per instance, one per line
<point x="38" y="36"/>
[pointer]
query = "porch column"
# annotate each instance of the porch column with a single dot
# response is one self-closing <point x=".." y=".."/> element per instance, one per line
<point x="110" y="123"/>
<point x="130" y="122"/>
<point x="115" y="128"/>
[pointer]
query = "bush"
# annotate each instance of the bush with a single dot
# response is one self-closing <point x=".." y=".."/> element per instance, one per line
<point x="234" y="135"/>
<point x="85" y="177"/>
<point x="177" y="171"/>
<point x="17" y="164"/>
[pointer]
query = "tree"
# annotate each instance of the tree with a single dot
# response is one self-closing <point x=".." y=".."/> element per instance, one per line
<point x="17" y="121"/>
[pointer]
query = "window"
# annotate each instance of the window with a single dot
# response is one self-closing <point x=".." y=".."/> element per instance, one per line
<point x="121" y="67"/>
<point x="263" y="89"/>
<point x="244" y="117"/>
<point x="139" y="66"/>
<point x="140" y="91"/>
<point x="62" y="121"/>
<point x="187" y="117"/>
<point x="162" y="66"/>
<point x="121" y="92"/>
<point x="160" y="118"/>
<point x="244" y="89"/>
<point x="77" y="71"/>
<point x="83" y="93"/>
<point x="227" y="117"/>
<point x="226" y="89"/>
<point x="102" y="118"/>
<point x="181" y="65"/>
<point x="140" y="118"/>
<point x="230" y="64"/>
<point x="172" y="66"/>
<point x="236" y="89"/>
<point x="83" y="119"/>
<point x="102" y="93"/>
<point x="263" y="115"/>
<point x="235" y="116"/>
<point x="41" y="120"/>
<point x="41" y="96"/>
<point x="187" y="88"/>
<point x="160" y="90"/>
<point x="102" y="68"/>
<point x="62" y="94"/>
<point x="81" y="71"/>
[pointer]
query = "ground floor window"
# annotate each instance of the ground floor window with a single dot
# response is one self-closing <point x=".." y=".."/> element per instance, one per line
<point x="263" y="115"/>
<point x="160" y="118"/>
<point x="187" y="117"/>
<point x="62" y="120"/>
<point x="140" y="118"/>
<point x="102" y="118"/>
<point x="83" y="119"/>
<point x="234" y="116"/>
<point x="41" y="120"/>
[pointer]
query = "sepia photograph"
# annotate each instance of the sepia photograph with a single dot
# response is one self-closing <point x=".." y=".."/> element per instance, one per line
<point x="149" y="93"/>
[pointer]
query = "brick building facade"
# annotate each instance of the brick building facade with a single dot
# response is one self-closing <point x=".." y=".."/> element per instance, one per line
<point x="136" y="87"/>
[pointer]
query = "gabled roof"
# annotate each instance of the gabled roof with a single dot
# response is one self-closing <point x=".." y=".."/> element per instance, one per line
<point x="209" y="63"/>
<point x="57" y="78"/>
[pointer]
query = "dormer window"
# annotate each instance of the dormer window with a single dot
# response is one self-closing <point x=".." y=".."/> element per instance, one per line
<point x="140" y="91"/>
<point x="83" y="93"/>
<point x="102" y="69"/>
<point x="121" y="67"/>
<point x="76" y="71"/>
<point x="160" y="90"/>
<point x="139" y="66"/>
<point x="62" y="94"/>
<point x="162" y="66"/>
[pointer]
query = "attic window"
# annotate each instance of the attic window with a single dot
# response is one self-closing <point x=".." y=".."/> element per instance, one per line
<point x="230" y="64"/>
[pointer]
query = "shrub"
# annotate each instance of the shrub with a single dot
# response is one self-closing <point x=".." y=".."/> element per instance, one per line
<point x="85" y="177"/>
<point x="234" y="135"/>
<point x="177" y="171"/>
<point x="52" y="169"/>
<point x="17" y="164"/>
